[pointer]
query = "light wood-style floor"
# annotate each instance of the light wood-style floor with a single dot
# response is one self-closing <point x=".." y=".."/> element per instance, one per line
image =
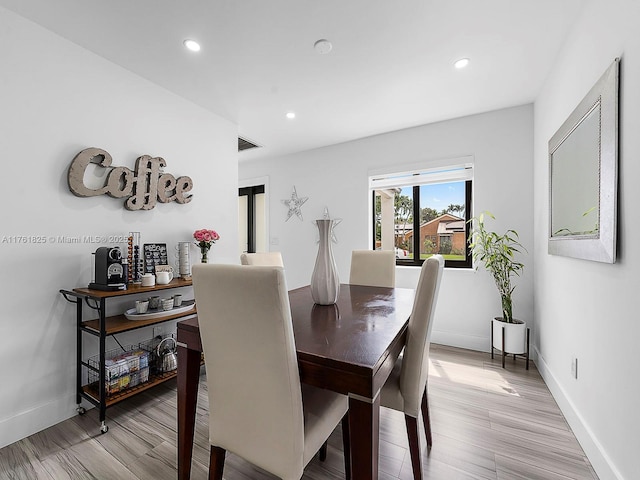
<point x="488" y="423"/>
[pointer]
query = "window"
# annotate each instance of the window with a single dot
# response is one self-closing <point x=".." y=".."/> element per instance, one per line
<point x="422" y="212"/>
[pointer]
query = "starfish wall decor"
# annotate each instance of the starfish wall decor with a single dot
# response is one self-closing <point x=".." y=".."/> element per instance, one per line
<point x="336" y="222"/>
<point x="294" y="204"/>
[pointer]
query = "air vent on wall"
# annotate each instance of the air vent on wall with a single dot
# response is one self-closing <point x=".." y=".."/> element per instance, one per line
<point x="244" y="144"/>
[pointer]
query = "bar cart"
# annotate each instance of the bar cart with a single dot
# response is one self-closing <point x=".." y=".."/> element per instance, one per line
<point x="101" y="393"/>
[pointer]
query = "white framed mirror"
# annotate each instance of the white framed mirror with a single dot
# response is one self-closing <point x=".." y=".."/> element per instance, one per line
<point x="583" y="176"/>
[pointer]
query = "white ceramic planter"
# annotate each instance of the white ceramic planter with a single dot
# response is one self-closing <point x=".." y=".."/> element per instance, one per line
<point x="515" y="340"/>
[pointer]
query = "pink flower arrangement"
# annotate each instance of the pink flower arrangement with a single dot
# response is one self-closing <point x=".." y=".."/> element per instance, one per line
<point x="205" y="238"/>
<point x="204" y="235"/>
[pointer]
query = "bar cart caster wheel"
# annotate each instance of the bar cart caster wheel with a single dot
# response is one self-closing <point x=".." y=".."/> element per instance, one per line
<point x="104" y="428"/>
<point x="81" y="410"/>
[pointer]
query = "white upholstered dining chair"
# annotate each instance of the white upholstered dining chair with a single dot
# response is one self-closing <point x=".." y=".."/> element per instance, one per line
<point x="406" y="388"/>
<point x="376" y="268"/>
<point x="257" y="406"/>
<point x="273" y="259"/>
<point x="268" y="259"/>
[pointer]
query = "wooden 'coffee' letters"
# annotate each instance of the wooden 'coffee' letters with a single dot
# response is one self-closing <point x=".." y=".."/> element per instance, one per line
<point x="142" y="187"/>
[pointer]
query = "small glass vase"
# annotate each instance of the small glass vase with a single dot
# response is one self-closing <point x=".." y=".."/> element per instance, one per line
<point x="204" y="251"/>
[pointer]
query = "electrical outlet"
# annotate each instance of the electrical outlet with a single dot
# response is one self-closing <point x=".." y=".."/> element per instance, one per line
<point x="158" y="331"/>
<point x="574" y="368"/>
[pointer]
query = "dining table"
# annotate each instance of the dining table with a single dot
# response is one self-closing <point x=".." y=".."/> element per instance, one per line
<point x="349" y="347"/>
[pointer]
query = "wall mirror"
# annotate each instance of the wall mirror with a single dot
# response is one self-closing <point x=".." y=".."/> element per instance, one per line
<point x="583" y="176"/>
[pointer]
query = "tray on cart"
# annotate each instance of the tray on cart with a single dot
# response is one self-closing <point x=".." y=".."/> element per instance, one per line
<point x="186" y="306"/>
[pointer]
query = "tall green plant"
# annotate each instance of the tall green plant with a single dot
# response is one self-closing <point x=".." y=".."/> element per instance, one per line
<point x="497" y="253"/>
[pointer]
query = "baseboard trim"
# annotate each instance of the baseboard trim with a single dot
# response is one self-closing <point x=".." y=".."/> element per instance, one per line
<point x="468" y="342"/>
<point x="36" y="419"/>
<point x="600" y="461"/>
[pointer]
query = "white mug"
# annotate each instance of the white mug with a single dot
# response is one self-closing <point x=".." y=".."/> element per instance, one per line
<point x="163" y="277"/>
<point x="148" y="280"/>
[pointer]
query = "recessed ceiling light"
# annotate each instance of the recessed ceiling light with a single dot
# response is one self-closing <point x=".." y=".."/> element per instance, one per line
<point x="291" y="115"/>
<point x="323" y="46"/>
<point x="192" y="45"/>
<point x="463" y="62"/>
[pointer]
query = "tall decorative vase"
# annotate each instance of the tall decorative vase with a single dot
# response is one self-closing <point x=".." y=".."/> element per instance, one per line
<point x="325" y="284"/>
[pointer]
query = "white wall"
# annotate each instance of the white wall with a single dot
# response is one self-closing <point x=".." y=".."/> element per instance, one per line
<point x="337" y="177"/>
<point x="586" y="309"/>
<point x="55" y="100"/>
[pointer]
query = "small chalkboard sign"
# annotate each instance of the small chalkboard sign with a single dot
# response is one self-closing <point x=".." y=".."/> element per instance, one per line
<point x="154" y="254"/>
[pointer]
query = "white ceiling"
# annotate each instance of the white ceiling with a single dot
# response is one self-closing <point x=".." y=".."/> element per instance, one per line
<point x="391" y="66"/>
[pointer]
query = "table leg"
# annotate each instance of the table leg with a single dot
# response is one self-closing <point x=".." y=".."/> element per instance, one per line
<point x="188" y="377"/>
<point x="364" y="430"/>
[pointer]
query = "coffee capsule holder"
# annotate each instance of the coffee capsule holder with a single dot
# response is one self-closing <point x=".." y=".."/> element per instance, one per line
<point x="134" y="258"/>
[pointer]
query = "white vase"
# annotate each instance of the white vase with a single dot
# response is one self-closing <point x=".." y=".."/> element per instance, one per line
<point x="325" y="284"/>
<point x="515" y="336"/>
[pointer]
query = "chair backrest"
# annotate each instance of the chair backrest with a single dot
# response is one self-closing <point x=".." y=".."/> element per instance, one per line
<point x="376" y="268"/>
<point x="415" y="362"/>
<point x="269" y="259"/>
<point x="252" y="370"/>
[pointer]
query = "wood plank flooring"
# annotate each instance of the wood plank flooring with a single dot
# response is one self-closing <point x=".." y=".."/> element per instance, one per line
<point x="488" y="423"/>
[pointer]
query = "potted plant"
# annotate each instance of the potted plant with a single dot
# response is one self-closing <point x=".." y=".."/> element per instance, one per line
<point x="498" y="255"/>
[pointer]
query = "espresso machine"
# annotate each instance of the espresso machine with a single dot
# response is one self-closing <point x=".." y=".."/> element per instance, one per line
<point x="109" y="270"/>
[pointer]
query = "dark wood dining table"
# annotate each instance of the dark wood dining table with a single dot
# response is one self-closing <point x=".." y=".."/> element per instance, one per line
<point x="350" y="348"/>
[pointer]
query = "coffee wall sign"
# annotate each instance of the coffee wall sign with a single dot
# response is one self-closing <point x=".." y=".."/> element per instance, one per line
<point x="142" y="187"/>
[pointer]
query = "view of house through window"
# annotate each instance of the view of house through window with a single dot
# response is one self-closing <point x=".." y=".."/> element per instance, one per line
<point x="419" y="214"/>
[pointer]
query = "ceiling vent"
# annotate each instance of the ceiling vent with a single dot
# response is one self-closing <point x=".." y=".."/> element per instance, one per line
<point x="244" y="144"/>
